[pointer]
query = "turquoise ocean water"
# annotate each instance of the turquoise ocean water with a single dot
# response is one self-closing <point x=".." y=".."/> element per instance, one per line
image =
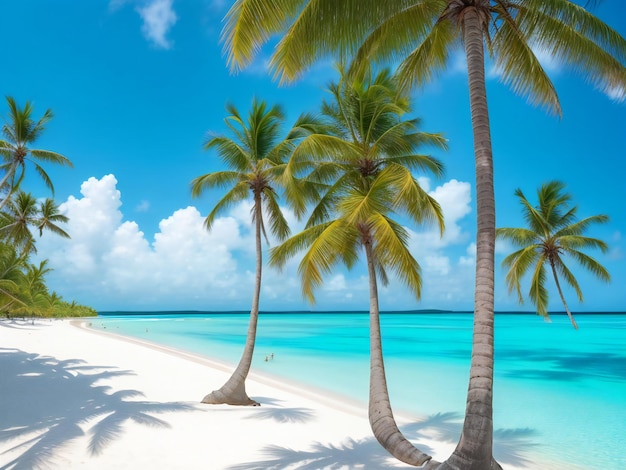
<point x="558" y="393"/>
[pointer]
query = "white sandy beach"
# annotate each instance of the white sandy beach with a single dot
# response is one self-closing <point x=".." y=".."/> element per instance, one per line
<point x="71" y="397"/>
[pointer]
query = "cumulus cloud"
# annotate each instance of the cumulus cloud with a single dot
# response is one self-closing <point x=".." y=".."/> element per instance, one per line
<point x="111" y="264"/>
<point x="158" y="18"/>
<point x="447" y="278"/>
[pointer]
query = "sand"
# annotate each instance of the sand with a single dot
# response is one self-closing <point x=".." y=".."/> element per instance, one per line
<point x="71" y="397"/>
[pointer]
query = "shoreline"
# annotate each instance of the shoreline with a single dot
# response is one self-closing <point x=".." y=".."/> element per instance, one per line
<point x="142" y="409"/>
<point x="78" y="398"/>
<point x="333" y="399"/>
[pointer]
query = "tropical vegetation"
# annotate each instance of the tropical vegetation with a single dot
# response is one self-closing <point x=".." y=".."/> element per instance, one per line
<point x="23" y="291"/>
<point x="553" y="234"/>
<point x="420" y="36"/>
<point x="365" y="161"/>
<point x="255" y="155"/>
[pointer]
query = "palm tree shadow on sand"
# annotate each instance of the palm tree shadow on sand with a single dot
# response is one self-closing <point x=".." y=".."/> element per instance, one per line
<point x="47" y="402"/>
<point x="510" y="446"/>
<point x="274" y="411"/>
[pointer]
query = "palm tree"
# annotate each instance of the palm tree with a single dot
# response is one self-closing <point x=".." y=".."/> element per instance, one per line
<point x="365" y="161"/>
<point x="16" y="220"/>
<point x="21" y="131"/>
<point x="11" y="278"/>
<point x="22" y="213"/>
<point x="255" y="155"/>
<point x="34" y="289"/>
<point x="49" y="217"/>
<point x="420" y="35"/>
<point x="553" y="232"/>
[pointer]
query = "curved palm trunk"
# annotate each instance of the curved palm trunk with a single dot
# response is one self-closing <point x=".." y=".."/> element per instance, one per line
<point x="233" y="392"/>
<point x="558" y="286"/>
<point x="474" y="450"/>
<point x="381" y="417"/>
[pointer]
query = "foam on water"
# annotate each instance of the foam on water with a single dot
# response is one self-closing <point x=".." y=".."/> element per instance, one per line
<point x="558" y="392"/>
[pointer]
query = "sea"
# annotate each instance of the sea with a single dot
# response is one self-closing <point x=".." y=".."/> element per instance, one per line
<point x="559" y="393"/>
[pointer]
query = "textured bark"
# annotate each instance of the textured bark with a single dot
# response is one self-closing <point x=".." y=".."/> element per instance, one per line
<point x="233" y="392"/>
<point x="381" y="417"/>
<point x="474" y="450"/>
<point x="558" y="286"/>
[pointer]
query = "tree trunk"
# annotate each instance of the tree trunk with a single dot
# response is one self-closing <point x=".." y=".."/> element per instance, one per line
<point x="381" y="417"/>
<point x="558" y="286"/>
<point x="233" y="392"/>
<point x="474" y="450"/>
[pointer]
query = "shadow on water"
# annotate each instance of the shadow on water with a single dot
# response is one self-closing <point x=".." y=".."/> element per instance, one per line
<point x="557" y="364"/>
<point x="46" y="402"/>
<point x="510" y="447"/>
<point x="567" y="366"/>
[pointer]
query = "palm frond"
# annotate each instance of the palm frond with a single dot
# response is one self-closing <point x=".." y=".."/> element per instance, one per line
<point x="574" y="36"/>
<point x="219" y="179"/>
<point x="590" y="264"/>
<point x="518" y="236"/>
<point x="278" y="224"/>
<point x="520" y="68"/>
<point x="391" y="250"/>
<point x="239" y="192"/>
<point x="538" y="293"/>
<point x="518" y="264"/>
<point x="250" y="23"/>
<point x="51" y="157"/>
<point x="430" y="56"/>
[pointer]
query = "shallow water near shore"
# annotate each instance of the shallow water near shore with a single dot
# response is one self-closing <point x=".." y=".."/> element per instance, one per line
<point x="559" y="393"/>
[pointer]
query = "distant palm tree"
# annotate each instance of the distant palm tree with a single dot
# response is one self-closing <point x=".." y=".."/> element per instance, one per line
<point x="22" y="214"/>
<point x="12" y="268"/>
<point x="35" y="291"/>
<point x="49" y="217"/>
<point x="420" y="36"/>
<point x="20" y="131"/>
<point x="553" y="233"/>
<point x="256" y="157"/>
<point x="365" y="161"/>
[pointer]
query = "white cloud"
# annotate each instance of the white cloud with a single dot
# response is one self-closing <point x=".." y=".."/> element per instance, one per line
<point x="110" y="264"/>
<point x="158" y="18"/>
<point x="447" y="280"/>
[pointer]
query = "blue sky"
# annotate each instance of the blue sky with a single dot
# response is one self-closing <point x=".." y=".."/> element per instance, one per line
<point x="135" y="86"/>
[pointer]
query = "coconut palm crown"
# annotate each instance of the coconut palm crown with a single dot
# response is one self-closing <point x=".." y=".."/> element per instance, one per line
<point x="20" y="132"/>
<point x="553" y="234"/>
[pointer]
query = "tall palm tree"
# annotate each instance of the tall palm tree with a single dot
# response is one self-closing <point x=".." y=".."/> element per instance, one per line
<point x="256" y="156"/>
<point x="420" y="35"/>
<point x="22" y="214"/>
<point x="20" y="132"/>
<point x="553" y="232"/>
<point x="365" y="160"/>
